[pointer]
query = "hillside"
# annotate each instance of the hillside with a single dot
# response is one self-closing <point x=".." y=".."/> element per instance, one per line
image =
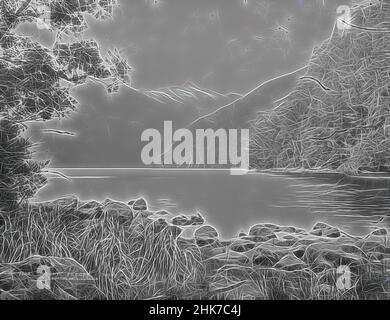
<point x="337" y="116"/>
<point x="239" y="113"/>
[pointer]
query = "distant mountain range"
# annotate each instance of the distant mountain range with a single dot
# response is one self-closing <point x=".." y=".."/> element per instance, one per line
<point x="238" y="113"/>
<point x="190" y="92"/>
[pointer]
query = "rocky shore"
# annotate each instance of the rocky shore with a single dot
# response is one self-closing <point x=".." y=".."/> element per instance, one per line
<point x="117" y="250"/>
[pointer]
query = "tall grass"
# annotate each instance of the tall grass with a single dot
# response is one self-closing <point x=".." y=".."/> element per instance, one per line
<point x="147" y="258"/>
<point x="129" y="259"/>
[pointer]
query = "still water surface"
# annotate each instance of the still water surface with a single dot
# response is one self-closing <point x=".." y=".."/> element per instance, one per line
<point x="234" y="203"/>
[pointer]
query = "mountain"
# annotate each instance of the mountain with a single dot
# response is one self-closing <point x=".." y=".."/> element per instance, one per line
<point x="238" y="113"/>
<point x="338" y="116"/>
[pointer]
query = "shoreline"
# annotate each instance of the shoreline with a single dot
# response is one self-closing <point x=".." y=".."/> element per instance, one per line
<point x="150" y="258"/>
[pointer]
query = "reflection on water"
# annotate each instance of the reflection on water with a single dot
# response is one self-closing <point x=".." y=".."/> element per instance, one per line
<point x="351" y="202"/>
<point x="234" y="203"/>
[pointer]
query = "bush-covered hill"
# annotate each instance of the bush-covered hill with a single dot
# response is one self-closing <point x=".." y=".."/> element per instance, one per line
<point x="338" y="116"/>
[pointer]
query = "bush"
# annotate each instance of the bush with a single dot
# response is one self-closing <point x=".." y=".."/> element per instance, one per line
<point x="338" y="115"/>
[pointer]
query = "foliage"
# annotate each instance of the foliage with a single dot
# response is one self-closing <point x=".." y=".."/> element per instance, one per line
<point x="36" y="82"/>
<point x="338" y="116"/>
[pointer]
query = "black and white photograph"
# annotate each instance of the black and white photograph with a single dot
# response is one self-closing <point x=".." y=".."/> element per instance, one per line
<point x="213" y="151"/>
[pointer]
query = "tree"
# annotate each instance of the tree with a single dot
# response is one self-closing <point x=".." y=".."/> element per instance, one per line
<point x="35" y="81"/>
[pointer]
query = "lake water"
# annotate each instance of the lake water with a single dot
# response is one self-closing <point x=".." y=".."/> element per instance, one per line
<point x="234" y="203"/>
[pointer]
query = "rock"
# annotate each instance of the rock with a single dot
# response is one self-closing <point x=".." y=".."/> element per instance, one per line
<point x="262" y="261"/>
<point x="321" y="229"/>
<point x="175" y="231"/>
<point x="197" y="220"/>
<point x="241" y="245"/>
<point x="242" y="234"/>
<point x="380" y="232"/>
<point x="89" y="207"/>
<point x="368" y="245"/>
<point x="261" y="233"/>
<point x="140" y="205"/>
<point x="162" y="213"/>
<point x="288" y="229"/>
<point x="351" y="248"/>
<point x="206" y="232"/>
<point x="317" y="233"/>
<point x="299" y="252"/>
<point x="40" y="278"/>
<point x="118" y="209"/>
<point x="379" y="235"/>
<point x="329" y="255"/>
<point x="146" y="214"/>
<point x="282" y="242"/>
<point x="229" y="257"/>
<point x="161" y="224"/>
<point x="290" y="262"/>
<point x="66" y="203"/>
<point x="322" y="226"/>
<point x="205" y="235"/>
<point x="183" y="220"/>
<point x="332" y="233"/>
<point x="273" y="227"/>
<point x="265" y="257"/>
<point x="310" y="239"/>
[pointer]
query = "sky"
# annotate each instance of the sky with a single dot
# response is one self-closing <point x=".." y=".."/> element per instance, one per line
<point x="225" y="45"/>
<point x="222" y="45"/>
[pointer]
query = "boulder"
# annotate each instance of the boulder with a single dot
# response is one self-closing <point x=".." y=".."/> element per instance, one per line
<point x="118" y="209"/>
<point x="140" y="205"/>
<point x="288" y="229"/>
<point x="261" y="233"/>
<point x="378" y="235"/>
<point x="182" y="220"/>
<point x="206" y="235"/>
<point x="162" y="213"/>
<point x="322" y="229"/>
<point x="197" y="220"/>
<point x="89" y="207"/>
<point x="242" y="245"/>
<point x="242" y="234"/>
<point x="290" y="262"/>
<point x="146" y="213"/>
<point x="66" y="203"/>
<point x="161" y="224"/>
<point x="228" y="257"/>
<point x="321" y="226"/>
<point x="175" y="231"/>
<point x="317" y="233"/>
<point x="330" y="255"/>
<point x="265" y="257"/>
<point x="332" y="233"/>
<point x="380" y="232"/>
